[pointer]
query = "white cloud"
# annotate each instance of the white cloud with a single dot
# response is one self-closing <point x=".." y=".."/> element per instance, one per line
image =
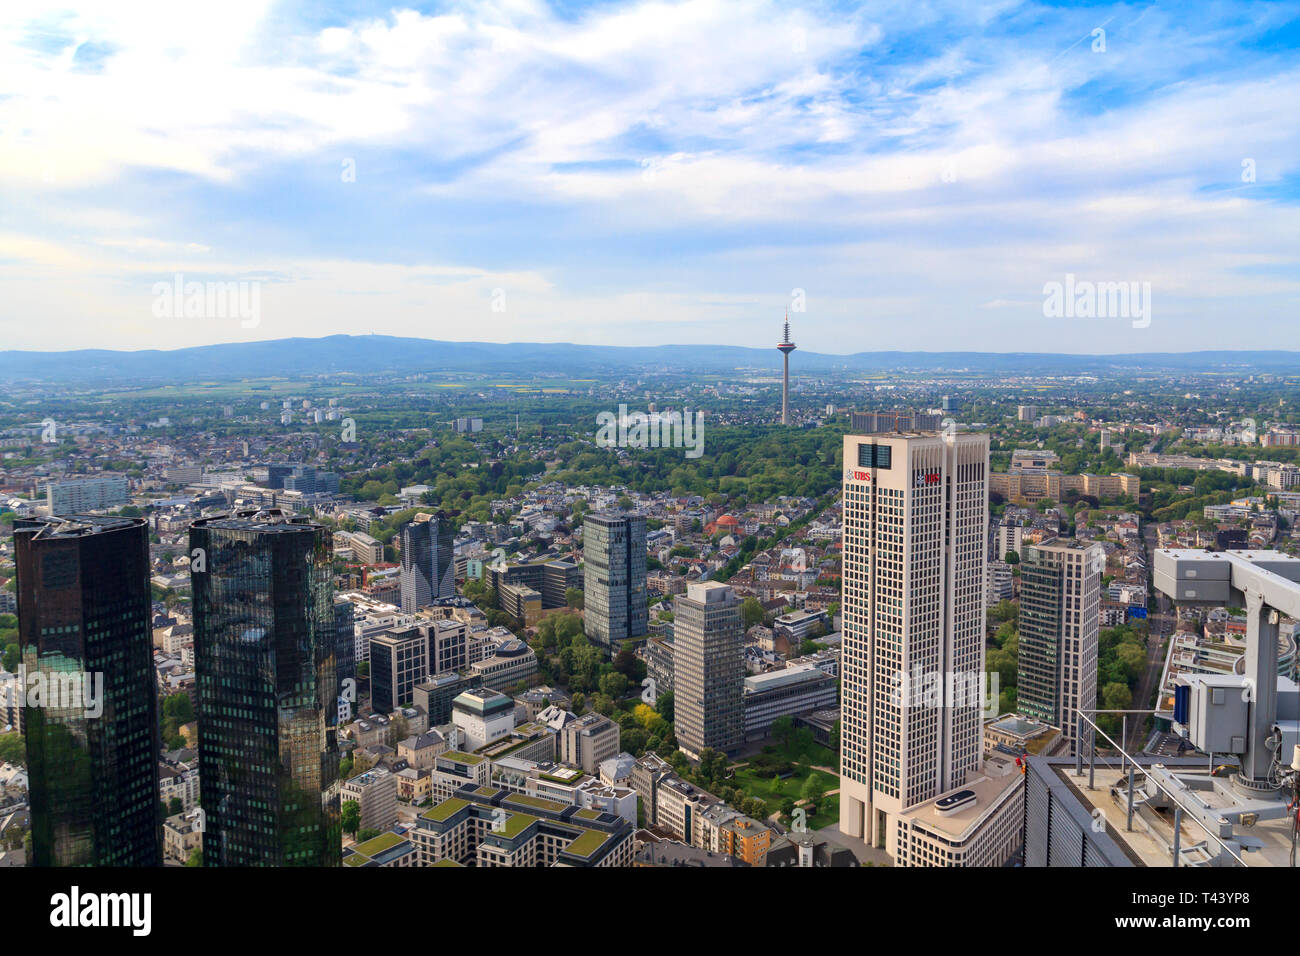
<point x="917" y="186"/>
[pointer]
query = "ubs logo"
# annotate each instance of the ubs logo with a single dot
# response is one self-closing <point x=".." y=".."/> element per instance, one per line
<point x="851" y="474"/>
<point x="927" y="478"/>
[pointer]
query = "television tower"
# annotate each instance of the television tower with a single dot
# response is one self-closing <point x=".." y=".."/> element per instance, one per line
<point x="786" y="347"/>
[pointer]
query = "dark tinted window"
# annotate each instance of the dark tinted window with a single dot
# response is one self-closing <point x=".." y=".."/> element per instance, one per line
<point x="874" y="456"/>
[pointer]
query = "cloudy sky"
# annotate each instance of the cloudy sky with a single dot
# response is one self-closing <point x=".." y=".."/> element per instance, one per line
<point x="900" y="175"/>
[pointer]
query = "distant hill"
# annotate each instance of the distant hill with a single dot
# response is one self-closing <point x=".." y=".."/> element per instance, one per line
<point x="372" y="353"/>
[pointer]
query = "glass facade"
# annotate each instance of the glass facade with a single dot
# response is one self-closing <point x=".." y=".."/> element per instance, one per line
<point x="265" y="655"/>
<point x="613" y="549"/>
<point x="91" y="724"/>
<point x="428" y="563"/>
<point x="1039" y="666"/>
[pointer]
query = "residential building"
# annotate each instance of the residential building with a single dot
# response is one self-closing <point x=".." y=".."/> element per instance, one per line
<point x="375" y="793"/>
<point x="182" y="834"/>
<point x="74" y="496"/>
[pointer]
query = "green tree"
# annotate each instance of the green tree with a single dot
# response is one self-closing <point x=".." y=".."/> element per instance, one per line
<point x="12" y="749"/>
<point x="1116" y="696"/>
<point x="351" y="816"/>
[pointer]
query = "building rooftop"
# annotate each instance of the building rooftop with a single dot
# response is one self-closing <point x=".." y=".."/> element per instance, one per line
<point x="1150" y="843"/>
<point x="996" y="779"/>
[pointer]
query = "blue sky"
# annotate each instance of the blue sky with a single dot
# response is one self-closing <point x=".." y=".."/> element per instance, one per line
<point x="652" y="172"/>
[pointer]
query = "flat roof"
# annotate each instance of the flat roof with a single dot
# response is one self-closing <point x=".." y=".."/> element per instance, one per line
<point x="1151" y="839"/>
<point x="385" y="841"/>
<point x="989" y="791"/>
<point x="588" y="842"/>
<point x="442" y="812"/>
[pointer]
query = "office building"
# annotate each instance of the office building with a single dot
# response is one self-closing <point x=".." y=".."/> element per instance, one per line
<point x="435" y="696"/>
<point x="482" y="716"/>
<point x="265" y="645"/>
<point x="708" y="669"/>
<point x="915" y="531"/>
<point x="486" y="826"/>
<point x="796" y="689"/>
<point x="1001" y="583"/>
<point x="428" y="566"/>
<point x="588" y="741"/>
<point x="448" y="645"/>
<point x="399" y="659"/>
<point x="1060" y="605"/>
<point x="345" y="645"/>
<point x="550" y="579"/>
<point x="511" y="663"/>
<point x="521" y="602"/>
<point x="615" y="608"/>
<point x="85" y="636"/>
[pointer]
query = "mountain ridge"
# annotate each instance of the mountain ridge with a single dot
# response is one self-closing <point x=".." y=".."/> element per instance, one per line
<point x="343" y="354"/>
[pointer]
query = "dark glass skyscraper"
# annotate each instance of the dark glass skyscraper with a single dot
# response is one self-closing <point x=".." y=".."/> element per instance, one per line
<point x="264" y="647"/>
<point x="85" y="634"/>
<point x="345" y="659"/>
<point x="613" y="550"/>
<point x="428" y="562"/>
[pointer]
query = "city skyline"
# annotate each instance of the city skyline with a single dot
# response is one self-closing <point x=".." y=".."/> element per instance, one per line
<point x="403" y="463"/>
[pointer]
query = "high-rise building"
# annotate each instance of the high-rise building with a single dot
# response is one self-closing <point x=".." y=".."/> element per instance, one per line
<point x="1060" y="607"/>
<point x="345" y="660"/>
<point x="915" y="519"/>
<point x="428" y="563"/>
<point x="85" y="634"/>
<point x="615" y="607"/>
<point x="265" y="639"/>
<point x="709" y="669"/>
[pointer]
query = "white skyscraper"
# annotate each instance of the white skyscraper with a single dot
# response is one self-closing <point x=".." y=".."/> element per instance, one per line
<point x="915" y="514"/>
